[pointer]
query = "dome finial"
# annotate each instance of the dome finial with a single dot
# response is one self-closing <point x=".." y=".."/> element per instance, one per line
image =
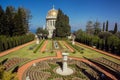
<point x="53" y="7"/>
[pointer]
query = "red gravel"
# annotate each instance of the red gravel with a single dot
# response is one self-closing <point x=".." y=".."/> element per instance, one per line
<point x="44" y="46"/>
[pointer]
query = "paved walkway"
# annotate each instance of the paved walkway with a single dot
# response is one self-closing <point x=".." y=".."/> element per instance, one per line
<point x="71" y="49"/>
<point x="44" y="46"/>
<point x="14" y="49"/>
<point x="59" y="54"/>
<point x="103" y="52"/>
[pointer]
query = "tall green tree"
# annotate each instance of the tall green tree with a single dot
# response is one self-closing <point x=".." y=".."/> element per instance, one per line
<point x="41" y="31"/>
<point x="97" y="28"/>
<point x="115" y="28"/>
<point x="22" y="18"/>
<point x="107" y="25"/>
<point x="103" y="27"/>
<point x="62" y="25"/>
<point x="1" y="20"/>
<point x="9" y="15"/>
<point x="89" y="28"/>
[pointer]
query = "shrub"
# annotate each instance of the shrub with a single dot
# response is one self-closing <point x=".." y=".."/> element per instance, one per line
<point x="52" y="52"/>
<point x="38" y="47"/>
<point x="10" y="42"/>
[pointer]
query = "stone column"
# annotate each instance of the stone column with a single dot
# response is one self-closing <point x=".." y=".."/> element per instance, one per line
<point x="65" y="58"/>
<point x="73" y="40"/>
<point x="47" y="22"/>
<point x="37" y="41"/>
<point x="54" y="22"/>
<point x="51" y="22"/>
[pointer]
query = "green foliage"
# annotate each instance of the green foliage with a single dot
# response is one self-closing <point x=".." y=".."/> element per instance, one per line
<point x="97" y="28"/>
<point x="104" y="40"/>
<point x="41" y="31"/>
<point x="115" y="28"/>
<point x="38" y="47"/>
<point x="1" y="71"/>
<point x="95" y="40"/>
<point x="104" y="35"/>
<point x="1" y="20"/>
<point x="62" y="25"/>
<point x="89" y="28"/>
<point x="93" y="28"/>
<point x="103" y="27"/>
<point x="78" y="48"/>
<point x="14" y="22"/>
<point x="10" y="42"/>
<point x="4" y="75"/>
<point x="106" y="25"/>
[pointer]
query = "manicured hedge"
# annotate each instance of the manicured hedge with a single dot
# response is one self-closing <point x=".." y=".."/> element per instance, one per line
<point x="38" y="47"/>
<point x="10" y="42"/>
<point x="79" y="49"/>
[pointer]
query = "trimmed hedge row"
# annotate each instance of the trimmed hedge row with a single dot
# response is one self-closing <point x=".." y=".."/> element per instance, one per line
<point x="10" y="42"/>
<point x="38" y="47"/>
<point x="79" y="49"/>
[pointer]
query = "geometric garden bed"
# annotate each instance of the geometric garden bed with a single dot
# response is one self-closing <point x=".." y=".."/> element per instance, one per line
<point x="46" y="70"/>
<point x="11" y="63"/>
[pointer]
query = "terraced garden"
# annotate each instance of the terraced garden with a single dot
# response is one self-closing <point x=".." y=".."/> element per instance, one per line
<point x="44" y="70"/>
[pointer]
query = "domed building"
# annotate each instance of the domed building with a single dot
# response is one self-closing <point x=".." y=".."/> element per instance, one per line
<point x="50" y="21"/>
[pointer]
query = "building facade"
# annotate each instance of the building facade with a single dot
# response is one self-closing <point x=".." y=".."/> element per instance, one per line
<point x="50" y="21"/>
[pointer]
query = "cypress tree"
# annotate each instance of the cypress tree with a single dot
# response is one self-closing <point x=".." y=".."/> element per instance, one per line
<point x="9" y="21"/>
<point x="62" y="25"/>
<point x="107" y="25"/>
<point x="115" y="28"/>
<point x="103" y="26"/>
<point x="96" y="28"/>
<point x="1" y="20"/>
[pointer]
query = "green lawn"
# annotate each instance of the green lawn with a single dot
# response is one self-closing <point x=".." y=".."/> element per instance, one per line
<point x="62" y="44"/>
<point x="88" y="53"/>
<point x="49" y="46"/>
<point x="26" y="53"/>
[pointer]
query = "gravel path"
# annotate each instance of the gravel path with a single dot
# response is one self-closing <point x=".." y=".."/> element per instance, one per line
<point x="44" y="46"/>
<point x="68" y="47"/>
<point x="59" y="54"/>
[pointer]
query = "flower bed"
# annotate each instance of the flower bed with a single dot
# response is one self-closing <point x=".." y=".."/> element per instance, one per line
<point x="108" y="65"/>
<point x="46" y="70"/>
<point x="13" y="62"/>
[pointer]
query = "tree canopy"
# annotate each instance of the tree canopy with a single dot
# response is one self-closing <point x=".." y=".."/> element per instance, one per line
<point x="41" y="31"/>
<point x="62" y="26"/>
<point x="14" y="22"/>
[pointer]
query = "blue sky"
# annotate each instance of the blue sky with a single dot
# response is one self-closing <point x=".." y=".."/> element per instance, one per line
<point x="79" y="11"/>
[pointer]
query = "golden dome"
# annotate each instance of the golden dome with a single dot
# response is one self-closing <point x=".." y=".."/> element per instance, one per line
<point x="52" y="13"/>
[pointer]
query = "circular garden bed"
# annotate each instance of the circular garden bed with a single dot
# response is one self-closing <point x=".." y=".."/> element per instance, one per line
<point x="46" y="70"/>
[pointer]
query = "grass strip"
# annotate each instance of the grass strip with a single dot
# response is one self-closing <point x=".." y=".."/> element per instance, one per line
<point x="38" y="46"/>
<point x="79" y="49"/>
